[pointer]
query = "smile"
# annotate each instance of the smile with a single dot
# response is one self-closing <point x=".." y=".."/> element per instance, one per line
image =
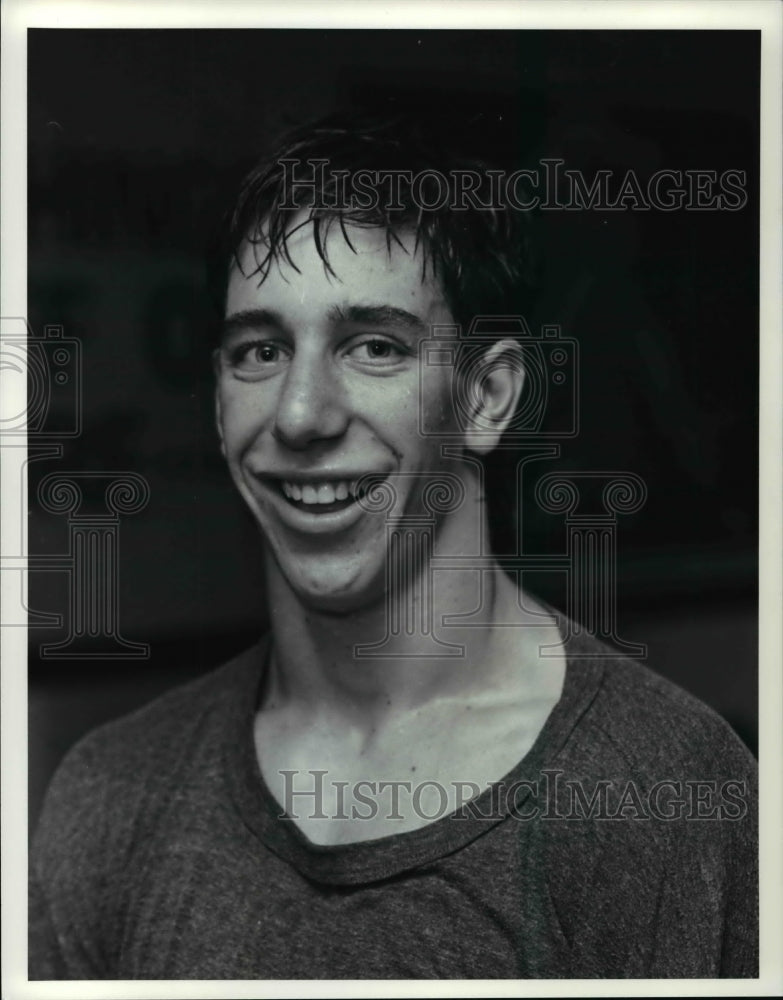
<point x="317" y="498"/>
<point x="321" y="493"/>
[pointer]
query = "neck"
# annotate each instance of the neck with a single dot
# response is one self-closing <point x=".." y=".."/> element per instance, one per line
<point x="385" y="658"/>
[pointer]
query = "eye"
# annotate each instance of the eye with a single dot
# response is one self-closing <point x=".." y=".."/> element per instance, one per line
<point x="377" y="351"/>
<point x="257" y="356"/>
<point x="264" y="353"/>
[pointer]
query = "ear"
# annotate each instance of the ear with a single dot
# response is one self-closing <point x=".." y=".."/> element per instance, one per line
<point x="492" y="386"/>
<point x="218" y="409"/>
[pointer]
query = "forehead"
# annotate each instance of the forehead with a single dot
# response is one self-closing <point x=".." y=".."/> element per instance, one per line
<point x="364" y="266"/>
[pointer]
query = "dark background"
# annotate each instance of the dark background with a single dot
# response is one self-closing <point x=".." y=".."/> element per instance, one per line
<point x="136" y="139"/>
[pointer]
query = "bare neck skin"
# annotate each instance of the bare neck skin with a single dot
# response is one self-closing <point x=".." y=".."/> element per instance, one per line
<point x="315" y="673"/>
<point x="314" y="668"/>
<point x="409" y="716"/>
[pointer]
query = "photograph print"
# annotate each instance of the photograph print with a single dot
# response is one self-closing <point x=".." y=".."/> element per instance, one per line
<point x="392" y="480"/>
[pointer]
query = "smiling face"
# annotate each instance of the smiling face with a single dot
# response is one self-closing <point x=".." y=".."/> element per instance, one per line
<point x="318" y="386"/>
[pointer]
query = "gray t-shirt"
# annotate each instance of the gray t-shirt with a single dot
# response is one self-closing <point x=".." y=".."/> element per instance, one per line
<point x="624" y="844"/>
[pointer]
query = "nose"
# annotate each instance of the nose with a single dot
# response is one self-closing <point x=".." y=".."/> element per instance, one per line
<point x="311" y="405"/>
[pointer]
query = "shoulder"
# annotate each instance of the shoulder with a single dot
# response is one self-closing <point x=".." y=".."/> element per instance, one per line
<point x="168" y="725"/>
<point x="644" y="723"/>
<point x="123" y="768"/>
<point x="658" y="798"/>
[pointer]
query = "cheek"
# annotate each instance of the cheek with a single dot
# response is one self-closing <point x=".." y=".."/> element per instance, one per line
<point x="243" y="415"/>
<point x="437" y="403"/>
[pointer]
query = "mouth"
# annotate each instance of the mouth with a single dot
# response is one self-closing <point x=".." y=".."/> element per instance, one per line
<point x="324" y="496"/>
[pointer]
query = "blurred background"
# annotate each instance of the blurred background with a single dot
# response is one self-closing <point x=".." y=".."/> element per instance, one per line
<point x="137" y="140"/>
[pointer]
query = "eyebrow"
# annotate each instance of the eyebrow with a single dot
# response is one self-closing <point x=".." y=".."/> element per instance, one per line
<point x="250" y="319"/>
<point x="372" y="315"/>
<point x="381" y="315"/>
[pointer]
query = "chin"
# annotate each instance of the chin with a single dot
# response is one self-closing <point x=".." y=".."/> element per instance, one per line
<point x="338" y="592"/>
<point x="340" y="604"/>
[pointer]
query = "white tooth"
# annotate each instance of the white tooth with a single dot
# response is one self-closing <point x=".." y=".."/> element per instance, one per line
<point x="287" y="489"/>
<point x="296" y="492"/>
<point x="309" y="494"/>
<point x="326" y="493"/>
<point x="352" y="487"/>
<point x="341" y="493"/>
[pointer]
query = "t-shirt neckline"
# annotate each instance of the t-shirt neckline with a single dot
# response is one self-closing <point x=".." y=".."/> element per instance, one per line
<point x="374" y="860"/>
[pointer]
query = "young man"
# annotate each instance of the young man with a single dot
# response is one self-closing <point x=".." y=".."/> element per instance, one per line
<point x="381" y="788"/>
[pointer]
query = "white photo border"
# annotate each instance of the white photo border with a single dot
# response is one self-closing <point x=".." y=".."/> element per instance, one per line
<point x="763" y="15"/>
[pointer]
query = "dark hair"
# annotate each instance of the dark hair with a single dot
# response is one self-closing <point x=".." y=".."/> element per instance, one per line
<point x="481" y="256"/>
